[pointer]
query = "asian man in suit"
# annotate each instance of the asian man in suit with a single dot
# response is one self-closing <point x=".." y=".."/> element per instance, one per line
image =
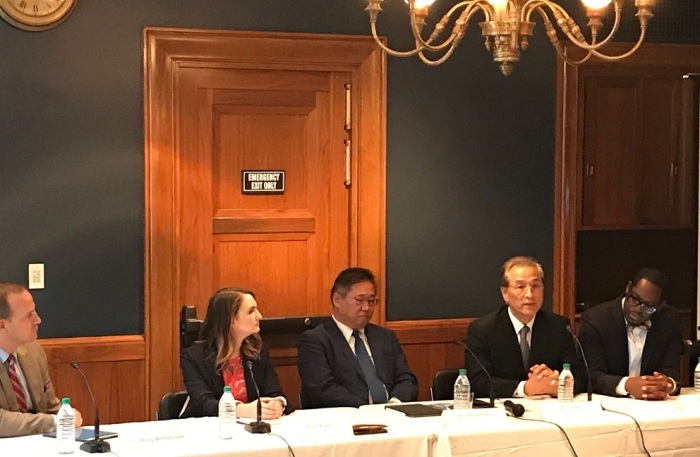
<point x="346" y="361"/>
<point x="634" y="343"/>
<point x="28" y="403"/>
<point x="522" y="346"/>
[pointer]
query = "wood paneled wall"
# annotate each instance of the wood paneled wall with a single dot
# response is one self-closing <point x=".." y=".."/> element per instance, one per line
<point x="115" y="367"/>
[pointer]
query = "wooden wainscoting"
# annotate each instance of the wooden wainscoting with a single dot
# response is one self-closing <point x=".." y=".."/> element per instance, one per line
<point x="429" y="347"/>
<point x="115" y="367"/>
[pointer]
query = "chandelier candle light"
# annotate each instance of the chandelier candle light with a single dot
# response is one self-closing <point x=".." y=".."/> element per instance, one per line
<point x="507" y="27"/>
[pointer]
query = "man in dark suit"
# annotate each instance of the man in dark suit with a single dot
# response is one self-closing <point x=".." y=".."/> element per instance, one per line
<point x="522" y="346"/>
<point x="28" y="403"/>
<point x="634" y="343"/>
<point x="346" y="361"/>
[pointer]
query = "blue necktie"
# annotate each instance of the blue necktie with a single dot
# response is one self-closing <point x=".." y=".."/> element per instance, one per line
<point x="376" y="386"/>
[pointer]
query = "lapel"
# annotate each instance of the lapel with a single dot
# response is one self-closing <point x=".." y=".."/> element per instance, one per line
<point x="376" y="347"/>
<point x="619" y="334"/>
<point x="32" y="376"/>
<point x="6" y="386"/>
<point x="338" y="341"/>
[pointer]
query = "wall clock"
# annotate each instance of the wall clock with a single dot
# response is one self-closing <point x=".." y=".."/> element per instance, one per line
<point x="36" y="15"/>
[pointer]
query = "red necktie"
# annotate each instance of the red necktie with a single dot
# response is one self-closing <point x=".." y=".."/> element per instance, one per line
<point x="16" y="384"/>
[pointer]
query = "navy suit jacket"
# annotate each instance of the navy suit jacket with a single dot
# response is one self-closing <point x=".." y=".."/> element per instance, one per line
<point x="495" y="343"/>
<point x="205" y="386"/>
<point x="331" y="375"/>
<point x="603" y="334"/>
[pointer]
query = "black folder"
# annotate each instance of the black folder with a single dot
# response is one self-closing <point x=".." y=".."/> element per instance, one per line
<point x="416" y="409"/>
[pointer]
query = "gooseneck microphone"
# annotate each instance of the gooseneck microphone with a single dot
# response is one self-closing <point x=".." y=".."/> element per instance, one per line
<point x="492" y="394"/>
<point x="96" y="445"/>
<point x="258" y="426"/>
<point x="515" y="409"/>
<point x="589" y="386"/>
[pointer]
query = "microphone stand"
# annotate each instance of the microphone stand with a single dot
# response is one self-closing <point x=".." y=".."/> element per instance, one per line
<point x="258" y="426"/>
<point x="492" y="393"/>
<point x="589" y="386"/>
<point x="96" y="445"/>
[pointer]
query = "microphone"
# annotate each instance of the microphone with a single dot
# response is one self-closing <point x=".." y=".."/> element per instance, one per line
<point x="258" y="426"/>
<point x="96" y="445"/>
<point x="492" y="394"/>
<point x="515" y="409"/>
<point x="589" y="386"/>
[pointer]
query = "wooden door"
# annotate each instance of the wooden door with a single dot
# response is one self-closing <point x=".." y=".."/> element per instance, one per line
<point x="219" y="103"/>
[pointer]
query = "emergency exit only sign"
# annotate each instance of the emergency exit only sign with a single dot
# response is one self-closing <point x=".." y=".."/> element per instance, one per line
<point x="263" y="181"/>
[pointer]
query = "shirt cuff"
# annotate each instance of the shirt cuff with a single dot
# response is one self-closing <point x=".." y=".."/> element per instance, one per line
<point x="620" y="389"/>
<point x="520" y="391"/>
<point x="674" y="386"/>
<point x="394" y="400"/>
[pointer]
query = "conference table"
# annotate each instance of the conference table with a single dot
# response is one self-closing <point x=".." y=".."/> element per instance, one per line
<point x="669" y="428"/>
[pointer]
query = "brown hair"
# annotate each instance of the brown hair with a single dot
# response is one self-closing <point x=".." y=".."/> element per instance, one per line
<point x="7" y="288"/>
<point x="519" y="261"/>
<point x="216" y="329"/>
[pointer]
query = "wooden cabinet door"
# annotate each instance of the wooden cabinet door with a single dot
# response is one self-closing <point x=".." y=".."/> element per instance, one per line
<point x="632" y="169"/>
<point x="610" y="140"/>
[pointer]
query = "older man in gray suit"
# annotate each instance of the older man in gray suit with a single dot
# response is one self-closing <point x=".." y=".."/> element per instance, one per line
<point x="28" y="403"/>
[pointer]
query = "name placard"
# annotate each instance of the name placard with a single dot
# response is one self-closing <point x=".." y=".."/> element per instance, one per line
<point x="263" y="181"/>
<point x="474" y="415"/>
<point x="557" y="410"/>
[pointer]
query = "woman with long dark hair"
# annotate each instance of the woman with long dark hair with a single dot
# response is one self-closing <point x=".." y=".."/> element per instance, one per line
<point x="229" y="339"/>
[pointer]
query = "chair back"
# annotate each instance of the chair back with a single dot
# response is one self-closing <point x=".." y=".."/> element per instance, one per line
<point x="172" y="405"/>
<point x="443" y="384"/>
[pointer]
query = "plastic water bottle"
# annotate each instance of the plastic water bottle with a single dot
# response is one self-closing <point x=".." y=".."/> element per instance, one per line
<point x="65" y="428"/>
<point x="566" y="384"/>
<point x="227" y="414"/>
<point x="462" y="391"/>
<point x="697" y="377"/>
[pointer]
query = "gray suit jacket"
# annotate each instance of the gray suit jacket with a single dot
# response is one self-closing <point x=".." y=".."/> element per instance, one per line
<point x="32" y="359"/>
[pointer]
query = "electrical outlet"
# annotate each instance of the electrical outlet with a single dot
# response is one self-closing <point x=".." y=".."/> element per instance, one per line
<point x="36" y="276"/>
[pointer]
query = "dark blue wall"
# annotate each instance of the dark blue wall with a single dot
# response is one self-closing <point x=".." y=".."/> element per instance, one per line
<point x="470" y="158"/>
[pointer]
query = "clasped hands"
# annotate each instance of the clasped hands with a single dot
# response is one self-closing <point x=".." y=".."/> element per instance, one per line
<point x="542" y="380"/>
<point x="271" y="408"/>
<point x="656" y="387"/>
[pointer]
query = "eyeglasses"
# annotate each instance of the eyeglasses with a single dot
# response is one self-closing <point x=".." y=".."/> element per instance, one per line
<point x="521" y="287"/>
<point x="359" y="301"/>
<point x="647" y="307"/>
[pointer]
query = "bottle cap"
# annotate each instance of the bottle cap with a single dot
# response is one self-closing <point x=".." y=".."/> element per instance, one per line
<point x="567" y="366"/>
<point x="227" y="389"/>
<point x="462" y="371"/>
<point x="65" y="401"/>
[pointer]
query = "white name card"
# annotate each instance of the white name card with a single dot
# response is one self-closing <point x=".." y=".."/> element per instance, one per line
<point x="558" y="410"/>
<point x="474" y="415"/>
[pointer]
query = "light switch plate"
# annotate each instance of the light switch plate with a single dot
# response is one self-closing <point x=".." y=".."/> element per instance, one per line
<point x="36" y="276"/>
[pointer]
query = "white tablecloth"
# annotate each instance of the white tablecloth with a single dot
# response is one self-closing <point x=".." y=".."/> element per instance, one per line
<point x="670" y="428"/>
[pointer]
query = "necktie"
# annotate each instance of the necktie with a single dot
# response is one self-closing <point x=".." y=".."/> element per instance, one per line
<point x="16" y="384"/>
<point x="376" y="386"/>
<point x="524" y="347"/>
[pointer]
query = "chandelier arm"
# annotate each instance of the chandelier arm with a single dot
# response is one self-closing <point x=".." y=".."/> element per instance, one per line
<point x="458" y="30"/>
<point x="439" y="61"/>
<point x="390" y="51"/>
<point x="568" y="26"/>
<point x="609" y="58"/>
<point x="569" y="60"/>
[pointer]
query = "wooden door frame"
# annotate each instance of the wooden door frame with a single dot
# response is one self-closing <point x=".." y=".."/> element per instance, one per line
<point x="567" y="185"/>
<point x="168" y="50"/>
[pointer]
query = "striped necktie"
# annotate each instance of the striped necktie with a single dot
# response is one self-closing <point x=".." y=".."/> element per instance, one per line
<point x="374" y="383"/>
<point x="16" y="384"/>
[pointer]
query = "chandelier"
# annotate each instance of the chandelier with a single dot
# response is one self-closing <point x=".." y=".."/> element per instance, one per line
<point x="507" y="27"/>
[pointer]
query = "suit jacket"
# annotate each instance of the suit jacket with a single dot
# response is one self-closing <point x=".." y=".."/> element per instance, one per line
<point x="205" y="386"/>
<point x="32" y="360"/>
<point x="331" y="375"/>
<point x="495" y="343"/>
<point x="603" y="334"/>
